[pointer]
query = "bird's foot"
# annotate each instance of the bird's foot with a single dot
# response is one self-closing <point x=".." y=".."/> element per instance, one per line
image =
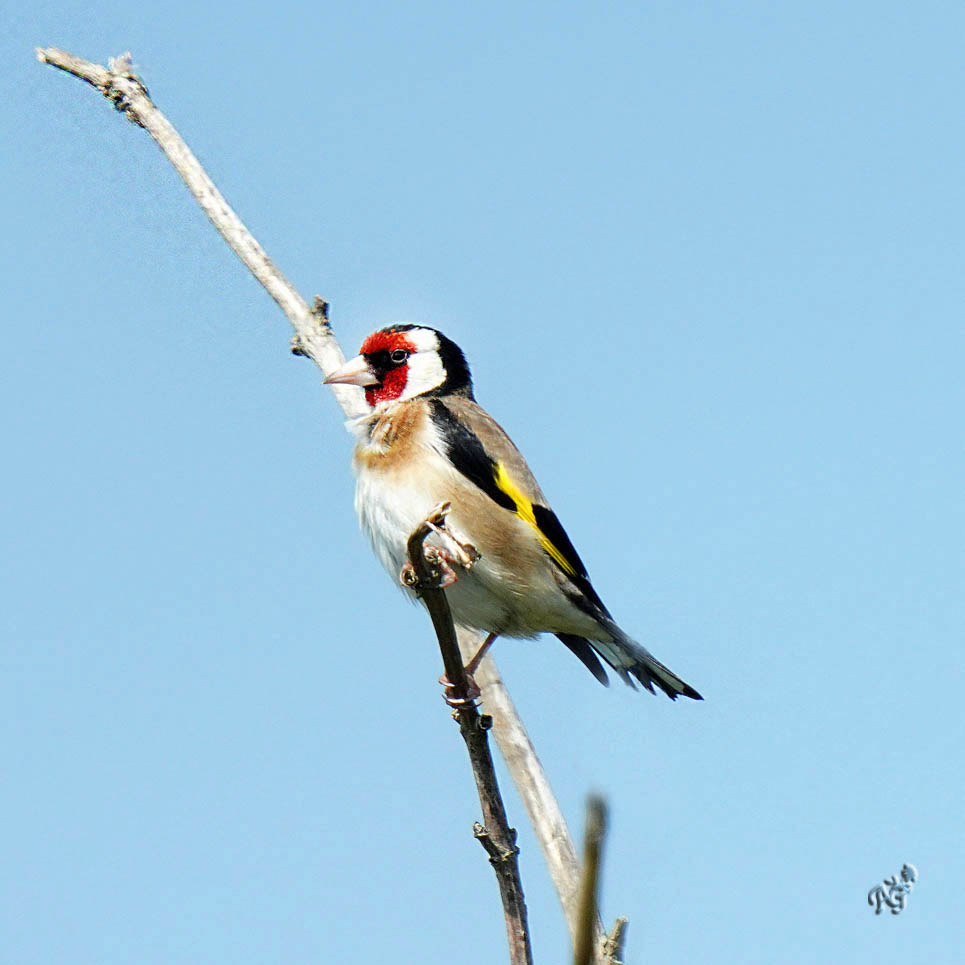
<point x="464" y="554"/>
<point x="442" y="574"/>
<point x="470" y="669"/>
<point x="449" y="694"/>
<point x="443" y="560"/>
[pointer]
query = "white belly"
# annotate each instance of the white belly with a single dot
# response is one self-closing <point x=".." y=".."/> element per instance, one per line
<point x="482" y="597"/>
<point x="486" y="597"/>
<point x="388" y="515"/>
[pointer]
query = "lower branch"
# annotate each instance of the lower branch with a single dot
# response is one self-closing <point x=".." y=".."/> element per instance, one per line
<point x="538" y="798"/>
<point x="495" y="834"/>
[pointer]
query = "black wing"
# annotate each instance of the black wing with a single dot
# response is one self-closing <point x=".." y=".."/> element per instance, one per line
<point x="467" y="453"/>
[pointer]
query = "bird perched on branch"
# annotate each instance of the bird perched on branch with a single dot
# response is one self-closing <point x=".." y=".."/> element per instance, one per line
<point x="509" y="567"/>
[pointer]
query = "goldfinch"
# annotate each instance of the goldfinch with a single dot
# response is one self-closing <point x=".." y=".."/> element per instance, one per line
<point x="427" y="441"/>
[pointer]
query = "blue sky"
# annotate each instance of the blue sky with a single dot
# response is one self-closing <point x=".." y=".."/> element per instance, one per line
<point x="706" y="262"/>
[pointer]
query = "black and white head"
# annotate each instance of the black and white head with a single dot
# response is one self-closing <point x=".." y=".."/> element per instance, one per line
<point x="404" y="362"/>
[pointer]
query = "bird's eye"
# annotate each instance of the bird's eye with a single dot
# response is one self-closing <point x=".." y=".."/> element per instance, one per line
<point x="399" y="356"/>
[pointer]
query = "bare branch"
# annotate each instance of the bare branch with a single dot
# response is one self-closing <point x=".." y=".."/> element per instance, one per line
<point x="95" y="74"/>
<point x="534" y="788"/>
<point x="127" y="92"/>
<point x="495" y="835"/>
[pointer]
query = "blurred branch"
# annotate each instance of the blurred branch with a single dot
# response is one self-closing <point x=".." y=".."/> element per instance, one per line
<point x="589" y="884"/>
<point x="613" y="943"/>
<point x="315" y="340"/>
<point x="495" y="835"/>
<point x="588" y="940"/>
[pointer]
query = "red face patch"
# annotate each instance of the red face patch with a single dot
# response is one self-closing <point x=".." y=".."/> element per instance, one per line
<point x="386" y="341"/>
<point x="392" y="386"/>
<point x="377" y="348"/>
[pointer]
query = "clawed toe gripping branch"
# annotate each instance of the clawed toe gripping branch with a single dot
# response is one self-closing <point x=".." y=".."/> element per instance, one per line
<point x="440" y="572"/>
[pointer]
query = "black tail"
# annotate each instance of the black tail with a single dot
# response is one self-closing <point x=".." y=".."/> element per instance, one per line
<point x="585" y="652"/>
<point x="630" y="661"/>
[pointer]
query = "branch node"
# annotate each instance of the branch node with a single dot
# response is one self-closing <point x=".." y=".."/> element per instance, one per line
<point x="320" y="312"/>
<point x="497" y="855"/>
<point x="120" y="76"/>
<point x="298" y="347"/>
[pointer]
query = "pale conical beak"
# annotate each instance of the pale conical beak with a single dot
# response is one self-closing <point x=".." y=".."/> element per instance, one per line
<point x="354" y="372"/>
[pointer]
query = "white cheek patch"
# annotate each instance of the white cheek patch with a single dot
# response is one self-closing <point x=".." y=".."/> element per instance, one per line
<point x="425" y="372"/>
<point x="425" y="369"/>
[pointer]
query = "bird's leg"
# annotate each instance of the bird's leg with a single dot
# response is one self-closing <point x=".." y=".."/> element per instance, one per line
<point x="473" y="664"/>
<point x="471" y="668"/>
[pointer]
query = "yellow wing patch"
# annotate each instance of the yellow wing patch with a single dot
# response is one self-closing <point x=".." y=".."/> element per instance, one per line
<point x="524" y="510"/>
